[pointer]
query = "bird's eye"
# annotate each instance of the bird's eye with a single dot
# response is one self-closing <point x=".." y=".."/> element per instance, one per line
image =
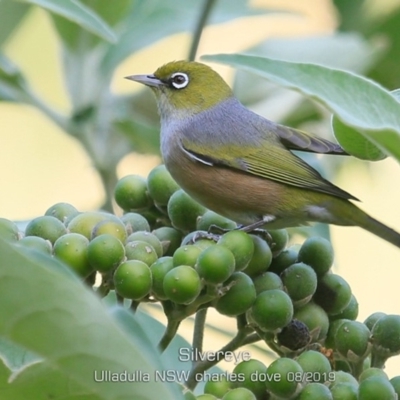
<point x="179" y="80"/>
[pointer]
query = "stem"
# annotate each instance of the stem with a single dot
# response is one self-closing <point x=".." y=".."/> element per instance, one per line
<point x="198" y="331"/>
<point x="357" y="368"/>
<point x="378" y="360"/>
<point x="34" y="100"/>
<point x="203" y="366"/>
<point x="103" y="290"/>
<point x="120" y="299"/>
<point x="201" y="22"/>
<point x="134" y="305"/>
<point x="252" y="338"/>
<point x="109" y="179"/>
<point x="169" y="334"/>
<point x="90" y="280"/>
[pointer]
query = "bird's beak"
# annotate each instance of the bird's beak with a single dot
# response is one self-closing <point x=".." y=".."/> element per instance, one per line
<point x="148" y="80"/>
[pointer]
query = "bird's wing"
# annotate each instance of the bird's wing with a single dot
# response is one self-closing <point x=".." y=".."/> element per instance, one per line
<point x="268" y="160"/>
<point x="298" y="140"/>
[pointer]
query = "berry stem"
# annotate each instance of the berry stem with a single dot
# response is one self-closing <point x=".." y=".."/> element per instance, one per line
<point x="202" y="366"/>
<point x="201" y="22"/>
<point x="198" y="330"/>
<point x="169" y="334"/>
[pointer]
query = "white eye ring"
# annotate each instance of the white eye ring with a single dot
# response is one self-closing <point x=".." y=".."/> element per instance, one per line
<point x="179" y="80"/>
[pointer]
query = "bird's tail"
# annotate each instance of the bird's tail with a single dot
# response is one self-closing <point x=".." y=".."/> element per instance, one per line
<point x="377" y="228"/>
<point x="356" y="216"/>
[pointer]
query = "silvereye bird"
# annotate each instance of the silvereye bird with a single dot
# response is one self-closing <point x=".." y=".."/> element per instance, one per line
<point x="240" y="164"/>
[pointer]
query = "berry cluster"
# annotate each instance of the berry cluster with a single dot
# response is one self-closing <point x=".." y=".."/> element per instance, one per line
<point x="169" y="249"/>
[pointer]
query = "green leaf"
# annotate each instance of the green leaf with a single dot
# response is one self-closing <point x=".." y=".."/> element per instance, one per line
<point x="11" y="14"/>
<point x="153" y="20"/>
<point x="110" y="11"/>
<point x="354" y="142"/>
<point x="51" y="313"/>
<point x="15" y="356"/>
<point x="12" y="82"/>
<point x="347" y="10"/>
<point x="40" y="381"/>
<point x="386" y="71"/>
<point x="348" y="51"/>
<point x="75" y="11"/>
<point x="357" y="101"/>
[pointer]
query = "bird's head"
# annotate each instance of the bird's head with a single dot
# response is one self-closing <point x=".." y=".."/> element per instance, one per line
<point x="184" y="88"/>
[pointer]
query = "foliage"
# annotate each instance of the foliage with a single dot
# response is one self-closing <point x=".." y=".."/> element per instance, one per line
<point x="54" y="331"/>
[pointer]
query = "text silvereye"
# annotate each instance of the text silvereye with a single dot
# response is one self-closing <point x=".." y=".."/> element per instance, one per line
<point x="238" y="163"/>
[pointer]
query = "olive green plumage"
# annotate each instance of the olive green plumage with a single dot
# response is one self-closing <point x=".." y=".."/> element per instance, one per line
<point x="240" y="164"/>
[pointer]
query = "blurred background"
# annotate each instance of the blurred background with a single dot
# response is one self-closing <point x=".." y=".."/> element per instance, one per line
<point x="81" y="125"/>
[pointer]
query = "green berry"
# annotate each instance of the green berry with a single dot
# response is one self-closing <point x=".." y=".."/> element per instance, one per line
<point x="239" y="394"/>
<point x="240" y="296"/>
<point x="352" y="340"/>
<point x="135" y="222"/>
<point x="344" y="377"/>
<point x="131" y="193"/>
<point x="138" y="250"/>
<point x="206" y="397"/>
<point x="105" y="252"/>
<point x="333" y="329"/>
<point x="133" y="279"/>
<point x="241" y="245"/>
<point x="159" y="269"/>
<point x="210" y="218"/>
<point x="182" y="284"/>
<point x="170" y="239"/>
<point x="372" y="319"/>
<point x="8" y="230"/>
<point x="218" y="388"/>
<point x="386" y="336"/>
<point x="344" y="391"/>
<point x="280" y="239"/>
<point x="267" y="281"/>
<point x="315" y="318"/>
<point x="253" y="371"/>
<point x="262" y="257"/>
<point x="349" y="312"/>
<point x="62" y="211"/>
<point x="316" y="364"/>
<point x="186" y="255"/>
<point x="36" y="243"/>
<point x="395" y="381"/>
<point x="149" y="238"/>
<point x="84" y="223"/>
<point x="215" y="264"/>
<point x="205" y="243"/>
<point x="367" y="373"/>
<point x="272" y="310"/>
<point x="183" y="211"/>
<point x="72" y="248"/>
<point x="283" y="260"/>
<point x="317" y="252"/>
<point x="315" y="391"/>
<point x="376" y="387"/>
<point x="161" y="185"/>
<point x="110" y="227"/>
<point x="300" y="283"/>
<point x="288" y="378"/>
<point x="46" y="227"/>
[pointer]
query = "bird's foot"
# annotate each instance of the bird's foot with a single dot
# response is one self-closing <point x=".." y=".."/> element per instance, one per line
<point x="204" y="235"/>
<point x="262" y="233"/>
<point x="255" y="229"/>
